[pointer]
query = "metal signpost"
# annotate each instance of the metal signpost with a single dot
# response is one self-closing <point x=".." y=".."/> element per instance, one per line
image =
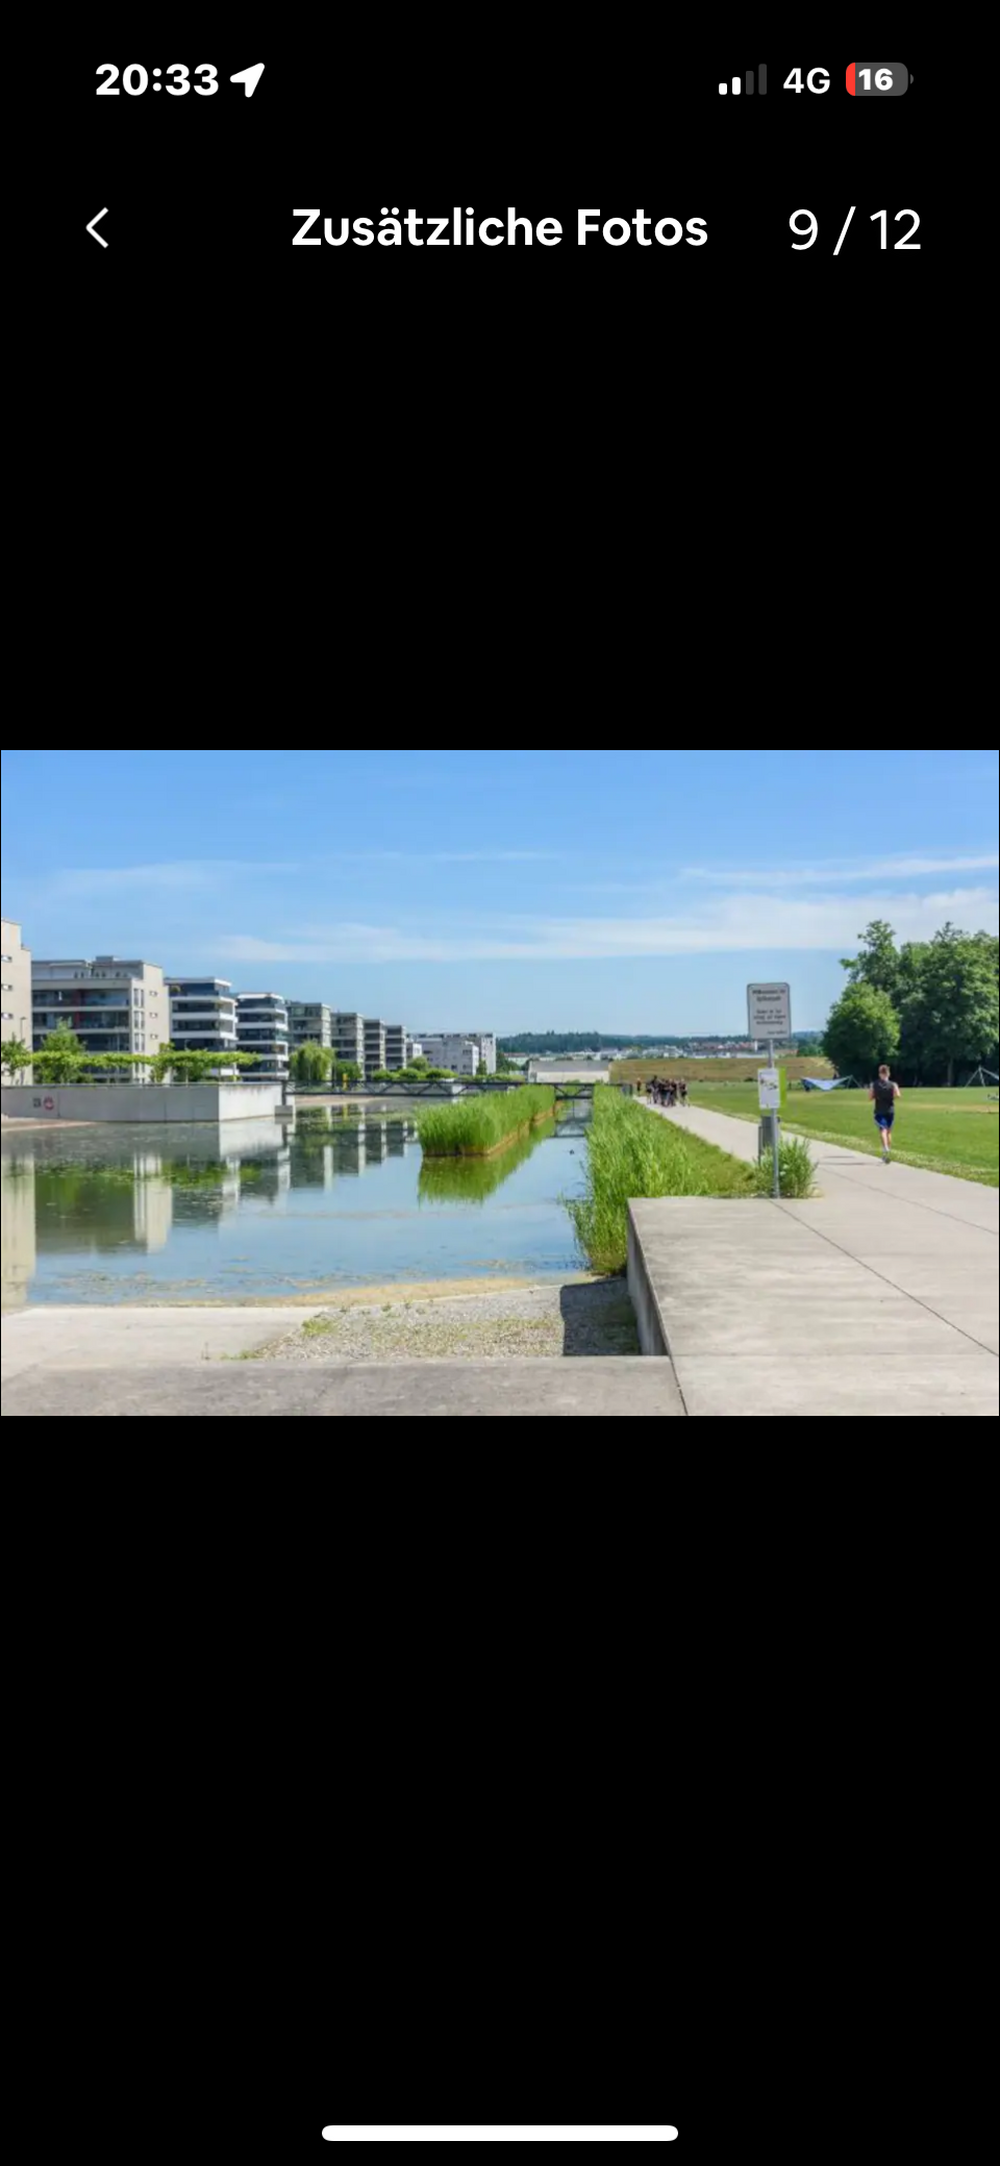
<point x="770" y="1013"/>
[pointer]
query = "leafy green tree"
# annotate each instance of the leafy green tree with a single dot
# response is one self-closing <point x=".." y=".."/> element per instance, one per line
<point x="15" y="1057"/>
<point x="863" y="1031"/>
<point x="61" y="1057"/>
<point x="350" y="1074"/>
<point x="171" y="1065"/>
<point x="878" y="962"/>
<point x="950" y="1015"/>
<point x="310" y="1065"/>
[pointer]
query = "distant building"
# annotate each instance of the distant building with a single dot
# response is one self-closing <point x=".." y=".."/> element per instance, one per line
<point x="262" y="1023"/>
<point x="348" y="1039"/>
<point x="15" y="977"/>
<point x="396" y="1042"/>
<point x="112" y="1006"/>
<point x="374" y="1046"/>
<point x="203" y="1016"/>
<point x="310" y="1022"/>
<point x="488" y="1045"/>
<point x="459" y="1051"/>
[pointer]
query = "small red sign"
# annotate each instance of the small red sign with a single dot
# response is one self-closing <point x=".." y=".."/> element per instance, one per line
<point x="50" y="1105"/>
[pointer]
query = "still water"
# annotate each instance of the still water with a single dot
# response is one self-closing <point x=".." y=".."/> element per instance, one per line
<point x="254" y="1212"/>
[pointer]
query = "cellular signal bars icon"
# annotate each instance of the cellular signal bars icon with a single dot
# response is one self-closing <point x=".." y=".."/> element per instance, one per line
<point x="738" y="81"/>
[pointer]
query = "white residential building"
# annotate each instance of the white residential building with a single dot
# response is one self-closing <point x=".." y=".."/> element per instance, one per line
<point x="455" y="1050"/>
<point x="111" y="1005"/>
<point x="374" y="1046"/>
<point x="262" y="1025"/>
<point x="488" y="1048"/>
<point x="348" y="1040"/>
<point x="203" y="1016"/>
<point x="15" y="1003"/>
<point x="310" y="1023"/>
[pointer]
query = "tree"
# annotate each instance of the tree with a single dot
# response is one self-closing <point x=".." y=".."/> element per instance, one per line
<point x="173" y="1065"/>
<point x="482" y="1072"/>
<point x="863" y="1031"/>
<point x="15" y="1056"/>
<point x="311" y="1064"/>
<point x="878" y="962"/>
<point x="61" y="1057"/>
<point x="950" y="1014"/>
<point x="350" y="1074"/>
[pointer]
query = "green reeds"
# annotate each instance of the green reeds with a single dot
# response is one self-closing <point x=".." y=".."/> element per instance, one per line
<point x="631" y="1153"/>
<point x="475" y="1127"/>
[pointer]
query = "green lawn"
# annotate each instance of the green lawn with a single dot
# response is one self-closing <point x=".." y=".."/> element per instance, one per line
<point x="944" y="1131"/>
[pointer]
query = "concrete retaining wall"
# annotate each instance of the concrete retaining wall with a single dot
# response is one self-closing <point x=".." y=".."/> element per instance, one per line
<point x="131" y="1102"/>
<point x="652" y="1337"/>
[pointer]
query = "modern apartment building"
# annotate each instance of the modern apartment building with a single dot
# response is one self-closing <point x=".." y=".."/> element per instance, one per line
<point x="15" y="979"/>
<point x="396" y="1042"/>
<point x="348" y="1040"/>
<point x="310" y="1023"/>
<point x="112" y="1006"/>
<point x="488" y="1047"/>
<point x="459" y="1051"/>
<point x="262" y="1030"/>
<point x="203" y="1016"/>
<point x="374" y="1046"/>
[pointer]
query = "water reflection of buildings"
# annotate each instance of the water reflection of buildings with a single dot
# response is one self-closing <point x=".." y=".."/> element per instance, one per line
<point x="17" y="1229"/>
<point x="324" y="1146"/>
<point x="92" y="1209"/>
<point x="100" y="1191"/>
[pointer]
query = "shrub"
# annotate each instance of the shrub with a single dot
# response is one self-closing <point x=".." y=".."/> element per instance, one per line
<point x="798" y="1174"/>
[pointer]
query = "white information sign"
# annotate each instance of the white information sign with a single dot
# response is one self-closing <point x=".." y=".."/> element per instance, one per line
<point x="769" y="1086"/>
<point x="770" y="1010"/>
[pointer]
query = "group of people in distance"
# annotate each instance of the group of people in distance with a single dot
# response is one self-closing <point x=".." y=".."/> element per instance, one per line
<point x="669" y="1093"/>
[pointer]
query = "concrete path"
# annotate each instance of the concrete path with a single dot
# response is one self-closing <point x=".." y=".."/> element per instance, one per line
<point x="880" y="1297"/>
<point x="166" y="1362"/>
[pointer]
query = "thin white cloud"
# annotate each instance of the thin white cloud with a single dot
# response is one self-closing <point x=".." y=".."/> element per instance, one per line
<point x="195" y="873"/>
<point x="838" y="873"/>
<point x="185" y="873"/>
<point x="723" y="925"/>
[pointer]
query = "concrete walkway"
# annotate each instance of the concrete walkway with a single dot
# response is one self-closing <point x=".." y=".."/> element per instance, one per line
<point x="166" y="1362"/>
<point x="879" y="1298"/>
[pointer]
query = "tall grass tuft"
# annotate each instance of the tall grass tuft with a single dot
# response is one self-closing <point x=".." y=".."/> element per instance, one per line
<point x="798" y="1174"/>
<point x="476" y="1126"/>
<point x="631" y="1153"/>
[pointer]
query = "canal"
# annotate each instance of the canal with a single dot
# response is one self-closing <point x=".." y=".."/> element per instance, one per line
<point x="251" y="1213"/>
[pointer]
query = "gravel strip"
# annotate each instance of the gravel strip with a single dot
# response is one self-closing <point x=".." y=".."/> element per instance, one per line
<point x="590" y="1318"/>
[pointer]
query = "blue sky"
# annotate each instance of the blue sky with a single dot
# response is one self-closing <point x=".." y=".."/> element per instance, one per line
<point x="632" y="890"/>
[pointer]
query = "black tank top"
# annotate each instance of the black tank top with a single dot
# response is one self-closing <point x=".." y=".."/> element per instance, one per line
<point x="885" y="1095"/>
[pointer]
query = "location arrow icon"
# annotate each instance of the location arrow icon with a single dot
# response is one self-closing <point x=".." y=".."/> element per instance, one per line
<point x="249" y="77"/>
<point x="95" y="221"/>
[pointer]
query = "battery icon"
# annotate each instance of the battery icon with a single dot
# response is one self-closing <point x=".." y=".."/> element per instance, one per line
<point x="878" y="79"/>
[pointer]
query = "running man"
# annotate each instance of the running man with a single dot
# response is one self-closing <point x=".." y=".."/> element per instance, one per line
<point x="885" y="1095"/>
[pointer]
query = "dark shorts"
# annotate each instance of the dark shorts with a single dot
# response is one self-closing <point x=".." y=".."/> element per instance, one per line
<point x="885" y="1121"/>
